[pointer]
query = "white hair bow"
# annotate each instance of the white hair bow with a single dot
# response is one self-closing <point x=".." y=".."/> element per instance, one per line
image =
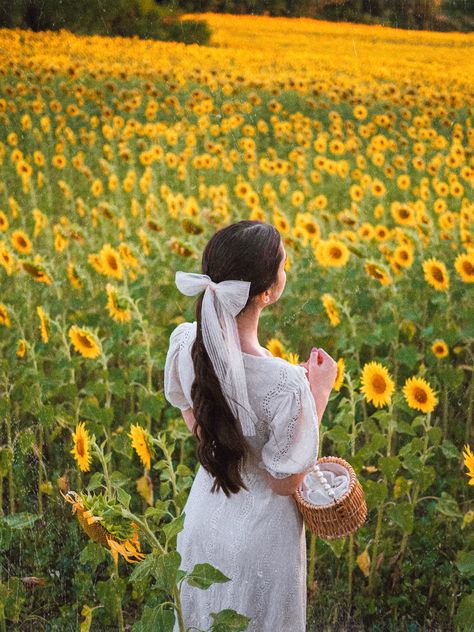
<point x="221" y="303"/>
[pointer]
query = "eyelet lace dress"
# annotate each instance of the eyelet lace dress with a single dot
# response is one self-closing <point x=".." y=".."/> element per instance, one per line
<point x="255" y="537"/>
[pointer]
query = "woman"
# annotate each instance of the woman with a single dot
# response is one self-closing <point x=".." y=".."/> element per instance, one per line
<point x="256" y="420"/>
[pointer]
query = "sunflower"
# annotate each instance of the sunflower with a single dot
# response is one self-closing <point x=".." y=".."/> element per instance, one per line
<point x="21" y="242"/>
<point x="419" y="394"/>
<point x="340" y="375"/>
<point x="377" y="385"/>
<point x="331" y="309"/>
<point x="111" y="263"/>
<point x="81" y="448"/>
<point x="469" y="463"/>
<point x="7" y="258"/>
<point x="292" y="358"/>
<point x="116" y="305"/>
<point x="36" y="271"/>
<point x="43" y="323"/>
<point x="141" y="444"/>
<point x="440" y="348"/>
<point x="378" y="271"/>
<point x="4" y="317"/>
<point x="403" y="255"/>
<point x="85" y="342"/>
<point x="336" y="253"/>
<point x="102" y="521"/>
<point x="73" y="277"/>
<point x="403" y="214"/>
<point x="435" y="273"/>
<point x="464" y="265"/>
<point x="275" y="347"/>
<point x="21" y="347"/>
<point x="4" y="223"/>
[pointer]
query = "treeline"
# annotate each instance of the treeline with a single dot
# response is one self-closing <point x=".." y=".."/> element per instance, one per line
<point x="447" y="15"/>
<point x="144" y="18"/>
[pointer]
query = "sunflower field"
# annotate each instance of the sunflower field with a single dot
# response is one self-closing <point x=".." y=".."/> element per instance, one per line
<point x="119" y="159"/>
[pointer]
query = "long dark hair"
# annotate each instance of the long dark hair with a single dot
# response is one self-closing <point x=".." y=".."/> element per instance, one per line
<point x="246" y="251"/>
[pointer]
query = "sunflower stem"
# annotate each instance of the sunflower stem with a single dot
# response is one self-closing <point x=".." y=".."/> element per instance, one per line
<point x="115" y="575"/>
<point x="179" y="612"/>
<point x="11" y="484"/>
<point x="445" y="412"/>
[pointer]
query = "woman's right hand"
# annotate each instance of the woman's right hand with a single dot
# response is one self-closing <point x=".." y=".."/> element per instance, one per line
<point x="322" y="371"/>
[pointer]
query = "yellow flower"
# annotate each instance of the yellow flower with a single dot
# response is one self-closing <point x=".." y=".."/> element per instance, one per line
<point x="72" y="276"/>
<point x="81" y="448"/>
<point x="337" y="253"/>
<point x="141" y="444"/>
<point x="36" y="271"/>
<point x="124" y="540"/>
<point x="21" y="347"/>
<point x="43" y="328"/>
<point x="435" y="273"/>
<point x="340" y="375"/>
<point x="21" y="242"/>
<point x="331" y="309"/>
<point x="377" y="271"/>
<point x="110" y="260"/>
<point x="85" y="342"/>
<point x="469" y="463"/>
<point x="4" y="317"/>
<point x="377" y="385"/>
<point x="440" y="348"/>
<point x="275" y="347"/>
<point x="419" y="394"/>
<point x="116" y="305"/>
<point x="292" y="358"/>
<point x="464" y="265"/>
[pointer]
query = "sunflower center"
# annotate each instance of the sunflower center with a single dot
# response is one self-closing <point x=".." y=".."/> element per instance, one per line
<point x="84" y="340"/>
<point x="112" y="262"/>
<point x="378" y="384"/>
<point x="468" y="268"/>
<point x="437" y="274"/>
<point x="80" y="446"/>
<point x="421" y="396"/>
<point x="335" y="252"/>
<point x="404" y="213"/>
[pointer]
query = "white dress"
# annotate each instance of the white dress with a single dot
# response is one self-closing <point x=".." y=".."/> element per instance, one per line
<point x="255" y="537"/>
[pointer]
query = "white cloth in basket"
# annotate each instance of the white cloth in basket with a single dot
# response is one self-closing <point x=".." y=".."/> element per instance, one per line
<point x="256" y="538"/>
<point x="336" y="476"/>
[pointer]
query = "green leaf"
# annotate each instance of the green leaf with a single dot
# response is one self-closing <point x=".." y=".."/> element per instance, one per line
<point x="337" y="546"/>
<point x="375" y="493"/>
<point x="402" y="515"/>
<point x="165" y="571"/>
<point x="407" y="355"/>
<point x="174" y="527"/>
<point x="465" y="563"/>
<point x="464" y="617"/>
<point x="426" y="477"/>
<point x="156" y="619"/>
<point x="110" y="593"/>
<point x="46" y="416"/>
<point x="339" y="435"/>
<point x="448" y="506"/>
<point x="95" y="481"/>
<point x="435" y="435"/>
<point x="389" y="466"/>
<point x="204" y="575"/>
<point x="404" y="428"/>
<point x="123" y="497"/>
<point x="20" y="520"/>
<point x="118" y="479"/>
<point x="151" y="404"/>
<point x="93" y="554"/>
<point x="229" y="621"/>
<point x="449" y="450"/>
<point x="144" y="569"/>
<point x="183" y="470"/>
<point x="26" y="440"/>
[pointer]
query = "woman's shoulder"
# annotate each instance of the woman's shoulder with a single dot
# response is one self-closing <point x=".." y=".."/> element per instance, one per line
<point x="277" y="371"/>
<point x="182" y="333"/>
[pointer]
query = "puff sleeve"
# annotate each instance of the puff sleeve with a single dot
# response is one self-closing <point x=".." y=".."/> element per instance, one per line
<point x="173" y="389"/>
<point x="293" y="444"/>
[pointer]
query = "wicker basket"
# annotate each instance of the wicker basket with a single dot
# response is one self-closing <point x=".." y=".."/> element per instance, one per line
<point x="339" y="517"/>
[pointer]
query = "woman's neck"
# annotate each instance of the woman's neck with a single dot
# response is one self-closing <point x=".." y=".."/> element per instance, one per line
<point x="247" y="325"/>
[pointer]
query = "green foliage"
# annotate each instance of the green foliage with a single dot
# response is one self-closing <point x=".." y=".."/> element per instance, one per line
<point x="124" y="18"/>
